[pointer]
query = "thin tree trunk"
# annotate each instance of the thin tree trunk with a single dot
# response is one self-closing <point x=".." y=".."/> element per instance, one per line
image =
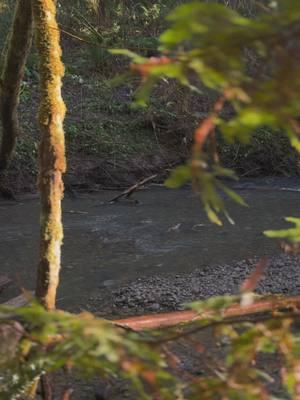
<point x="52" y="163"/>
<point x="102" y="10"/>
<point x="11" y="79"/>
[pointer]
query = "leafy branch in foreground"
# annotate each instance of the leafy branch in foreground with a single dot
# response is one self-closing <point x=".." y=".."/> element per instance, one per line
<point x="212" y="46"/>
<point x="50" y="341"/>
<point x="290" y="236"/>
<point x="35" y="341"/>
<point x="47" y="341"/>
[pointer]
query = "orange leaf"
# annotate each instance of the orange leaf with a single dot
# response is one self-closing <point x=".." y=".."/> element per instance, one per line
<point x="145" y="69"/>
<point x="251" y="282"/>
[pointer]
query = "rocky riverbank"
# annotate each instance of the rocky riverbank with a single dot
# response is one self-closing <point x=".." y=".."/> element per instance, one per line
<point x="170" y="292"/>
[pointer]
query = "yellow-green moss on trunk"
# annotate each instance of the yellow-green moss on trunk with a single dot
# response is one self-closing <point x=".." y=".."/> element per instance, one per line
<point x="11" y="78"/>
<point x="52" y="149"/>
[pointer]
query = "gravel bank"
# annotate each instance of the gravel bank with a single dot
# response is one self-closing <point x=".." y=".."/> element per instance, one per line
<point x="169" y="292"/>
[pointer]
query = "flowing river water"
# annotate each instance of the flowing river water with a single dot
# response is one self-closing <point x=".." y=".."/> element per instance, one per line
<point x="106" y="244"/>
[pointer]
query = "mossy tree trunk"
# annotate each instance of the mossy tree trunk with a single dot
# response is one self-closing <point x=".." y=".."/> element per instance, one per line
<point x="11" y="79"/>
<point x="52" y="163"/>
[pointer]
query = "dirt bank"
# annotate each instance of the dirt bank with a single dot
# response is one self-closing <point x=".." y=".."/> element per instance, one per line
<point x="110" y="144"/>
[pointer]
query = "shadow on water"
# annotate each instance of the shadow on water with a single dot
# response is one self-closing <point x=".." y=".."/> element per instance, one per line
<point x="167" y="231"/>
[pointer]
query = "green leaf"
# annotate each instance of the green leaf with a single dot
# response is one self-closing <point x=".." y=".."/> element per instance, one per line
<point x="291" y="234"/>
<point x="254" y="117"/>
<point x="233" y="195"/>
<point x="119" y="79"/>
<point x="294" y="139"/>
<point x="142" y="94"/>
<point x="178" y="177"/>
<point x="136" y="58"/>
<point x="212" y="215"/>
<point x="217" y="303"/>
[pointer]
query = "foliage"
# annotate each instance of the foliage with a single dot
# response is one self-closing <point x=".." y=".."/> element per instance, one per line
<point x="165" y="127"/>
<point x="49" y="341"/>
<point x="212" y="45"/>
<point x="289" y="238"/>
<point x="56" y="339"/>
<point x="105" y="24"/>
<point x="262" y="156"/>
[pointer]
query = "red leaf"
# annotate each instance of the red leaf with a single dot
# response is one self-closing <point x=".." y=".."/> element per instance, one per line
<point x="145" y="69"/>
<point x="251" y="282"/>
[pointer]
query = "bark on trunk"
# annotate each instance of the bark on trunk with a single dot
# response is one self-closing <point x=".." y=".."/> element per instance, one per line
<point x="102" y="10"/>
<point x="52" y="163"/>
<point x="11" y="79"/>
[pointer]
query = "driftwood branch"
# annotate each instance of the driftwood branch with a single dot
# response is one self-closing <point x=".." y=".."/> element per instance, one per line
<point x="165" y="320"/>
<point x="128" y="192"/>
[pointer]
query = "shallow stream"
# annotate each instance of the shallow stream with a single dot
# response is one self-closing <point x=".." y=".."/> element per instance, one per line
<point x="166" y="232"/>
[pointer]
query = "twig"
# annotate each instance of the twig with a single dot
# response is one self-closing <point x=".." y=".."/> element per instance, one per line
<point x="226" y="321"/>
<point x="67" y="394"/>
<point x="263" y="7"/>
<point x="64" y="30"/>
<point x="46" y="387"/>
<point x="4" y="282"/>
<point x="251" y="282"/>
<point x="128" y="192"/>
<point x="68" y="390"/>
<point x="205" y="129"/>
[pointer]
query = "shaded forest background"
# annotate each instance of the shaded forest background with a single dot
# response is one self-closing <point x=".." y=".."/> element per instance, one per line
<point x="110" y="143"/>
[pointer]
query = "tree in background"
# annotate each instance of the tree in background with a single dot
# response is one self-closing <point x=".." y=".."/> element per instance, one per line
<point x="11" y="79"/>
<point x="102" y="10"/>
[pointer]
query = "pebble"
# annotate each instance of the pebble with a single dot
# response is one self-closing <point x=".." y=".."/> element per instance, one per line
<point x="167" y="292"/>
